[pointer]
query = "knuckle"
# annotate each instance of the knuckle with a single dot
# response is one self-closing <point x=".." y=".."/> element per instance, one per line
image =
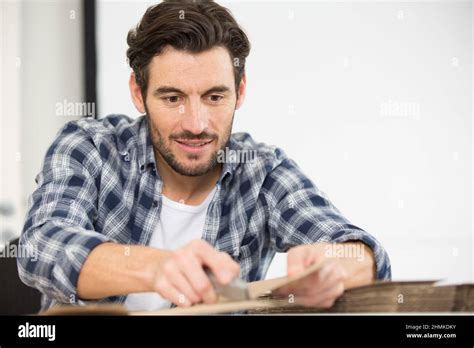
<point x="181" y="257"/>
<point x="203" y="287"/>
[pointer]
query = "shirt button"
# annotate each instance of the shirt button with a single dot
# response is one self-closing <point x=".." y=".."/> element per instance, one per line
<point x="155" y="204"/>
<point x="142" y="167"/>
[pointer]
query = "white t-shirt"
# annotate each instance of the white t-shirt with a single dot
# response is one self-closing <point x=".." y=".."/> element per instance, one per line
<point x="179" y="224"/>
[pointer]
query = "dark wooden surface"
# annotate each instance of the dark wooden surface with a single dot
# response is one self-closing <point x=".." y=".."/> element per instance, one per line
<point x="15" y="297"/>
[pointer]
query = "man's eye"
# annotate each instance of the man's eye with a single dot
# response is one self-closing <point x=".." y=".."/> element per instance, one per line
<point x="172" y="99"/>
<point x="215" y="98"/>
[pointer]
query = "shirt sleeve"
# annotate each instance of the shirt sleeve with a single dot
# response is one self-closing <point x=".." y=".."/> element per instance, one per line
<point x="301" y="214"/>
<point x="59" y="231"/>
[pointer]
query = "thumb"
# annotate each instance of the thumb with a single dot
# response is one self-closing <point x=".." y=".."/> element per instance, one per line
<point x="299" y="258"/>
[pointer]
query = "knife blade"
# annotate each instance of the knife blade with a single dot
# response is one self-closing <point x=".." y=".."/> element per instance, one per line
<point x="236" y="290"/>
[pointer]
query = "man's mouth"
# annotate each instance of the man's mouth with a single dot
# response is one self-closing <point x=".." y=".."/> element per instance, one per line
<point x="195" y="145"/>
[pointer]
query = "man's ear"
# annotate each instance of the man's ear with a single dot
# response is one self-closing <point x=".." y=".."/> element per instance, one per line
<point x="242" y="90"/>
<point x="136" y="94"/>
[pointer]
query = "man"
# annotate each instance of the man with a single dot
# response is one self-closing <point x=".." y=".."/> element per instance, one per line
<point x="134" y="211"/>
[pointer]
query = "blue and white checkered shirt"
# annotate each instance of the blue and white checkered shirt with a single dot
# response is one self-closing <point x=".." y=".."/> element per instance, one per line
<point x="99" y="183"/>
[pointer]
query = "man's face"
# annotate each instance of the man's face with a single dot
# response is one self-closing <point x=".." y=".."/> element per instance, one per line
<point x="190" y="105"/>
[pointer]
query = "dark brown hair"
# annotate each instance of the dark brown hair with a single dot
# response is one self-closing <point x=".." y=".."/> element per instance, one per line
<point x="188" y="25"/>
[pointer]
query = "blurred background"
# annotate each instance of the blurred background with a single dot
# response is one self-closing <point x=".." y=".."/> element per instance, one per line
<point x="373" y="99"/>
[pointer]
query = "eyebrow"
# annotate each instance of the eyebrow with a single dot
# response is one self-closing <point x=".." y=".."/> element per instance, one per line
<point x="168" y="89"/>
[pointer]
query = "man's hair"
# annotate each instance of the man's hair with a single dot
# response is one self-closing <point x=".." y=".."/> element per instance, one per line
<point x="193" y="26"/>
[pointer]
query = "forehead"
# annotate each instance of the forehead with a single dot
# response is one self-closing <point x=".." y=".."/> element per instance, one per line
<point x="184" y="69"/>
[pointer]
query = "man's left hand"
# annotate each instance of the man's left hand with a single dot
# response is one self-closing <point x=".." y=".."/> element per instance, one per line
<point x="324" y="286"/>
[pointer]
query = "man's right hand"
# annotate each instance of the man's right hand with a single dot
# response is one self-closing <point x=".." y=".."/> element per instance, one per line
<point x="181" y="278"/>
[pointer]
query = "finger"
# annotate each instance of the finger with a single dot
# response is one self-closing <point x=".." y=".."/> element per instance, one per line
<point x="221" y="264"/>
<point x="324" y="300"/>
<point x="332" y="289"/>
<point x="333" y="295"/>
<point x="182" y="284"/>
<point x="315" y="280"/>
<point x="330" y="276"/>
<point x="170" y="293"/>
<point x="298" y="259"/>
<point x="191" y="267"/>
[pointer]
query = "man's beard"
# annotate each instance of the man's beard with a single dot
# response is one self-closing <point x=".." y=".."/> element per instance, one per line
<point x="187" y="170"/>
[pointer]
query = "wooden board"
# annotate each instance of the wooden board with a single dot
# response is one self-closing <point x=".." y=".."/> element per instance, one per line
<point x="380" y="296"/>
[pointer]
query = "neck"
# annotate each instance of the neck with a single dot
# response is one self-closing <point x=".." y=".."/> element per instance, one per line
<point x="190" y="189"/>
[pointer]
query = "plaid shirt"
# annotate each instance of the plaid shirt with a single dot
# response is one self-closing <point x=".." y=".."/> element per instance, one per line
<point x="99" y="183"/>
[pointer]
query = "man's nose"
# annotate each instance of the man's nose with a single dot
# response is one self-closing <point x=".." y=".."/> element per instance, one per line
<point x="195" y="117"/>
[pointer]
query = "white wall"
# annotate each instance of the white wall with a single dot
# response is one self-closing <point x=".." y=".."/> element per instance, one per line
<point x="10" y="119"/>
<point x="41" y="65"/>
<point x="372" y="99"/>
<point x="52" y="71"/>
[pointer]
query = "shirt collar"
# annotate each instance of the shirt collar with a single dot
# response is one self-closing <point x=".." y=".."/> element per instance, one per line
<point x="229" y="167"/>
<point x="146" y="155"/>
